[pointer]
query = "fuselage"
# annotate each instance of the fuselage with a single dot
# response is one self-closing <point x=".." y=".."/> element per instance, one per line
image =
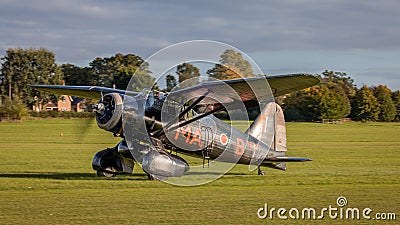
<point x="208" y="137"/>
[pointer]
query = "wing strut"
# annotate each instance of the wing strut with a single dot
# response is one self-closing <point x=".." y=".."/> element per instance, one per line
<point x="187" y="109"/>
<point x="197" y="117"/>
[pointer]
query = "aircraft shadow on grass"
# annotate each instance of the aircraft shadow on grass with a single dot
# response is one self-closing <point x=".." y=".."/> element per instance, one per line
<point x="67" y="176"/>
<point x="86" y="176"/>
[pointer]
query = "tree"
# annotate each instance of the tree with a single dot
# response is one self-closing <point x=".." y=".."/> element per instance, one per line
<point x="171" y="82"/>
<point x="140" y="78"/>
<point x="300" y="106"/>
<point x="75" y="75"/>
<point x="325" y="101"/>
<point x="329" y="100"/>
<point x="396" y="101"/>
<point x="21" y="67"/>
<point x="224" y="72"/>
<point x="189" y="73"/>
<point x="342" y="80"/>
<point x="365" y="106"/>
<point x="232" y="65"/>
<point x="232" y="58"/>
<point x="117" y="71"/>
<point x="387" y="108"/>
<point x="13" y="109"/>
<point x="333" y="102"/>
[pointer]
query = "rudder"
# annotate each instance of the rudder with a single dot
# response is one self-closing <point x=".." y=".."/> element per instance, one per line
<point x="269" y="127"/>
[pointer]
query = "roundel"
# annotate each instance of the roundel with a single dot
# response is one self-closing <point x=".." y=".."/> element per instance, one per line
<point x="223" y="139"/>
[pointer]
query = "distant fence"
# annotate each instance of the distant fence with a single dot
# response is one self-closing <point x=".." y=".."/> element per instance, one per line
<point x="336" y="121"/>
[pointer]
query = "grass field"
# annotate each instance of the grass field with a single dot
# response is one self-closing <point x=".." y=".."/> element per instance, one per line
<point x="47" y="179"/>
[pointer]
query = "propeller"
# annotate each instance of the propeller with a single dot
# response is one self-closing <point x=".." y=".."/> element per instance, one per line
<point x="87" y="124"/>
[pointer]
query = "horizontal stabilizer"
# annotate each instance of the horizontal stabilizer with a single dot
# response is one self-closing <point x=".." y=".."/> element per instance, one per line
<point x="287" y="159"/>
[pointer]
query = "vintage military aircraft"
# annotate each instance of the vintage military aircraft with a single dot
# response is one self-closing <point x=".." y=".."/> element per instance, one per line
<point x="192" y="129"/>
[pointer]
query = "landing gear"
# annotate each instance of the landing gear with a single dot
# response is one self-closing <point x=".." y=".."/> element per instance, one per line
<point x="107" y="172"/>
<point x="260" y="172"/>
<point x="109" y="162"/>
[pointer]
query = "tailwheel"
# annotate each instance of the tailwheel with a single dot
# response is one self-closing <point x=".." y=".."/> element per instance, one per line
<point x="107" y="172"/>
<point x="260" y="172"/>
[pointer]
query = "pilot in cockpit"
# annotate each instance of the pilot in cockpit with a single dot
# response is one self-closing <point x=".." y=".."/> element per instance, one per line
<point x="156" y="94"/>
<point x="155" y="100"/>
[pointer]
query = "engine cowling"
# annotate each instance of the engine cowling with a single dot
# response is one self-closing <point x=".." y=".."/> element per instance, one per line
<point x="109" y="113"/>
<point x="164" y="164"/>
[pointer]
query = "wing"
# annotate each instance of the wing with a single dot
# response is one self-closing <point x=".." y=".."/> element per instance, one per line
<point x="249" y="90"/>
<point x="285" y="84"/>
<point x="93" y="92"/>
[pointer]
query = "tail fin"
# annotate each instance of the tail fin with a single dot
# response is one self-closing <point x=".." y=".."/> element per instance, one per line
<point x="269" y="127"/>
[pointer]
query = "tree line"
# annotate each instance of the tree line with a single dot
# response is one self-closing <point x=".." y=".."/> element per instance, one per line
<point x="21" y="67"/>
<point x="336" y="97"/>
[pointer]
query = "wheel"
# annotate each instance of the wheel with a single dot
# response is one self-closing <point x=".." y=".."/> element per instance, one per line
<point x="260" y="172"/>
<point x="105" y="173"/>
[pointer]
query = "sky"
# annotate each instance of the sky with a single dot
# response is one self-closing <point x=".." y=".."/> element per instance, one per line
<point x="358" y="37"/>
